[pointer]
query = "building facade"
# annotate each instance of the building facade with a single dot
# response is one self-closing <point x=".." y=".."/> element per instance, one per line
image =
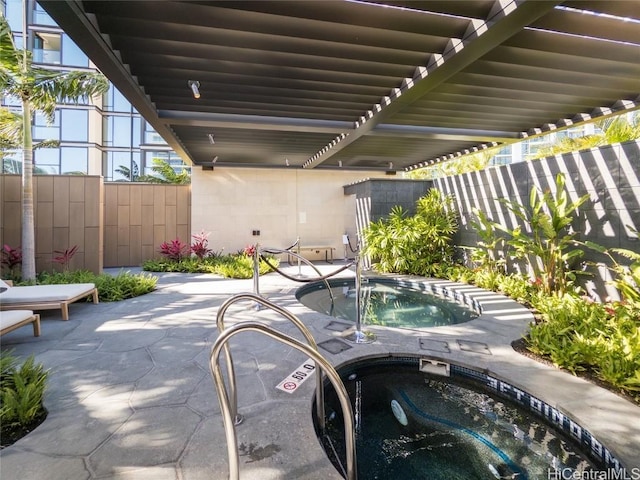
<point x="106" y="137"/>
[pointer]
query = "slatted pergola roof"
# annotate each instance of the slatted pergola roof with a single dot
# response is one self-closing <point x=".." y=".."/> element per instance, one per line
<point x="360" y="85"/>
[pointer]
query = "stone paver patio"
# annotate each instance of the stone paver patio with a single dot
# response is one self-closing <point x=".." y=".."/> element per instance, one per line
<point x="131" y="396"/>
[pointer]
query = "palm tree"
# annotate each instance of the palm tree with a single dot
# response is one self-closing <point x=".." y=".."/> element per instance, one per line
<point x="130" y="174"/>
<point x="38" y="90"/>
<point x="163" y="172"/>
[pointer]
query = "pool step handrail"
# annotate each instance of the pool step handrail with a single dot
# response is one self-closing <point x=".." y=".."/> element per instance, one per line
<point x="237" y="418"/>
<point x="258" y="254"/>
<point x="321" y="362"/>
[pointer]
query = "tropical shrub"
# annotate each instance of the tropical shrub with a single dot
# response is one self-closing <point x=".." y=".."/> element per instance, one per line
<point x="573" y="331"/>
<point x="21" y="393"/>
<point x="200" y="245"/>
<point x="174" y="250"/>
<point x="549" y="246"/>
<point x="579" y="335"/>
<point x="614" y="130"/>
<point x="236" y="265"/>
<point x="110" y="288"/>
<point x="63" y="257"/>
<point x="11" y="259"/>
<point x="486" y="253"/>
<point x="626" y="277"/>
<point x="419" y="244"/>
<point x="164" y="172"/>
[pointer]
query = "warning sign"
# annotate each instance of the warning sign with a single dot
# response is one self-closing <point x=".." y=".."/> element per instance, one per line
<point x="297" y="377"/>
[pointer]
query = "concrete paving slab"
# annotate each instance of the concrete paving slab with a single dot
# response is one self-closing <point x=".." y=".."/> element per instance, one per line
<point x="132" y="396"/>
<point x="24" y="464"/>
<point x="167" y="385"/>
<point x="150" y="437"/>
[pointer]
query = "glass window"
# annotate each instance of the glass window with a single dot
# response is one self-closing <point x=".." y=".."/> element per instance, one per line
<point x="40" y="17"/>
<point x="75" y="125"/>
<point x="47" y="160"/>
<point x="137" y="121"/>
<point x="114" y="101"/>
<point x="11" y="100"/>
<point x="167" y="155"/>
<point x="117" y="131"/>
<point x="74" y="160"/>
<point x="71" y="53"/>
<point x="42" y="130"/>
<point x="12" y="161"/>
<point x="531" y="147"/>
<point x="151" y="136"/>
<point x="46" y="47"/>
<point x="118" y="166"/>
<point x="18" y="40"/>
<point x="13" y="15"/>
<point x="503" y="157"/>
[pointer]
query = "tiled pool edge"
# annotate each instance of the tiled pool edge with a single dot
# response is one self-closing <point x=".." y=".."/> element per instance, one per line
<point x="496" y="310"/>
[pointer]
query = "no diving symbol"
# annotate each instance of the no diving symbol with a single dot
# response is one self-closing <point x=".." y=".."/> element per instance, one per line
<point x="296" y="378"/>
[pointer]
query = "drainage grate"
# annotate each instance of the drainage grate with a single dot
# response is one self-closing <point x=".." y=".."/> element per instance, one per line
<point x="334" y="346"/>
<point x="434" y="345"/>
<point x="475" y="347"/>
<point x="338" y="326"/>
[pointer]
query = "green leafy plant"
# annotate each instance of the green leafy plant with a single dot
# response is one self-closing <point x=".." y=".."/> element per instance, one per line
<point x="581" y="335"/>
<point x="466" y="163"/>
<point x="21" y="392"/>
<point x="614" y="130"/>
<point x="164" y="172"/>
<point x="130" y="174"/>
<point x="110" y="288"/>
<point x="626" y="277"/>
<point x="237" y="265"/>
<point x="486" y="253"/>
<point x="549" y="247"/>
<point x="419" y="244"/>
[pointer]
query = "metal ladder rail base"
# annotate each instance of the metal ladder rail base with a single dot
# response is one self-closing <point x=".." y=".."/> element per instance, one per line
<point x="325" y="366"/>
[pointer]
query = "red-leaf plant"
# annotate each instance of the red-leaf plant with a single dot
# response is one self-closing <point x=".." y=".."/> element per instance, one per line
<point x="63" y="257"/>
<point x="200" y="245"/>
<point x="11" y="257"/>
<point x="174" y="250"/>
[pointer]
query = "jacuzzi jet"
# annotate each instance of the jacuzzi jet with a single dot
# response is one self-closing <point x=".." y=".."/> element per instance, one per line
<point x="353" y="376"/>
<point x="398" y="412"/>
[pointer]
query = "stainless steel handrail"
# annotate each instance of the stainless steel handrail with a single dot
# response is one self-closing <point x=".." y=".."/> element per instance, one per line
<point x="325" y="366"/>
<point x="320" y="277"/>
<point x="237" y="418"/>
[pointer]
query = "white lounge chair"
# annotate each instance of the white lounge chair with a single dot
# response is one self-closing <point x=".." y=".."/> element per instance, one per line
<point x="45" y="297"/>
<point x="13" y="319"/>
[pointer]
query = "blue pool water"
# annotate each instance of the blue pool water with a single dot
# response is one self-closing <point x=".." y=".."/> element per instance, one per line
<point x="385" y="302"/>
<point x="411" y="425"/>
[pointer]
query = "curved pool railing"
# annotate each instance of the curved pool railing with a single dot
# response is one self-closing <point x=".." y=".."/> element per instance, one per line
<point x="258" y="255"/>
<point x="225" y="404"/>
<point x="237" y="418"/>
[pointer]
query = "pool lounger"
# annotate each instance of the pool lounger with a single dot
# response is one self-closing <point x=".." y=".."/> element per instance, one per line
<point x="13" y="319"/>
<point x="46" y="297"/>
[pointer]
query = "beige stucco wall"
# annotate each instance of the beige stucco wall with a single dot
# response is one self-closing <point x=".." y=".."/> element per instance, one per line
<point x="283" y="204"/>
